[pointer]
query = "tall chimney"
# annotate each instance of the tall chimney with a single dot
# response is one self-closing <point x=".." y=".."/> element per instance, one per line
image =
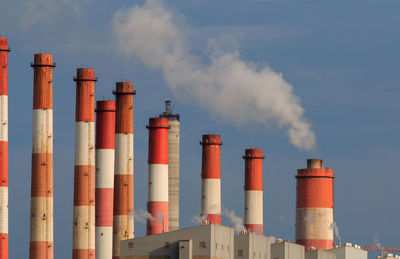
<point x="211" y="179"/>
<point x="83" y="243"/>
<point x="157" y="204"/>
<point x="4" y="49"/>
<point x="253" y="197"/>
<point x="105" y="145"/>
<point x="173" y="165"/>
<point x="41" y="232"/>
<point x="314" y="214"/>
<point x="123" y="178"/>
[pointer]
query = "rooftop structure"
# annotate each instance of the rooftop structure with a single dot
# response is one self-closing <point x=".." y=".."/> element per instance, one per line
<point x="287" y="250"/>
<point x="348" y="251"/>
<point x="209" y="241"/>
<point x="320" y="254"/>
<point x="250" y="245"/>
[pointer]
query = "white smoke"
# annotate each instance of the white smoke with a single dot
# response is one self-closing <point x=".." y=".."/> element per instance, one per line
<point x="228" y="86"/>
<point x="198" y="219"/>
<point x="143" y="215"/>
<point x="377" y="243"/>
<point x="236" y="221"/>
<point x="336" y="231"/>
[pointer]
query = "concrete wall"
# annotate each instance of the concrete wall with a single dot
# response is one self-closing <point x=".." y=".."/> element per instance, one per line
<point x="320" y="254"/>
<point x="251" y="245"/>
<point x="349" y="252"/>
<point x="211" y="241"/>
<point x="287" y="250"/>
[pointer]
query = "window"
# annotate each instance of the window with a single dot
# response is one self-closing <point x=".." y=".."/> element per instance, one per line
<point x="202" y="244"/>
<point x="240" y="252"/>
<point x="216" y="246"/>
<point x="166" y="244"/>
<point x="222" y="247"/>
<point x="130" y="245"/>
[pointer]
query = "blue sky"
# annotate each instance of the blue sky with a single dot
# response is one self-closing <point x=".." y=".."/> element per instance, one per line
<point x="340" y="57"/>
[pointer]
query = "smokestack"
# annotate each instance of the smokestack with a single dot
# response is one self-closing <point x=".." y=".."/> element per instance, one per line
<point x="211" y="179"/>
<point x="314" y="214"/>
<point x="83" y="243"/>
<point x="105" y="145"/>
<point x="41" y="231"/>
<point x="123" y="179"/>
<point x="253" y="197"/>
<point x="4" y="49"/>
<point x="157" y="204"/>
<point x="173" y="165"/>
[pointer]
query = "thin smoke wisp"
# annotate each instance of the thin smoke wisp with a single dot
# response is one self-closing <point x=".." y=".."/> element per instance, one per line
<point x="143" y="215"/>
<point x="198" y="219"/>
<point x="336" y="231"/>
<point x="226" y="85"/>
<point x="236" y="221"/>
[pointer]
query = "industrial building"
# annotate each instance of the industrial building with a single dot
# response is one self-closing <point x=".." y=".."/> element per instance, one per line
<point x="251" y="245"/>
<point x="219" y="242"/>
<point x="388" y="256"/>
<point x="209" y="241"/>
<point x="103" y="212"/>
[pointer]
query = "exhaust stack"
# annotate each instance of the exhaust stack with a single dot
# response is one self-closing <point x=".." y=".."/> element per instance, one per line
<point x="123" y="175"/>
<point x="253" y="198"/>
<point x="157" y="204"/>
<point x="105" y="146"/>
<point x="41" y="227"/>
<point x="173" y="165"/>
<point x="315" y="214"/>
<point x="211" y="179"/>
<point x="83" y="243"/>
<point x="4" y="49"/>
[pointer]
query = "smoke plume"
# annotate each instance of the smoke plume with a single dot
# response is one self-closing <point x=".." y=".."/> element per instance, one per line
<point x="336" y="231"/>
<point x="226" y="85"/>
<point x="198" y="219"/>
<point x="377" y="243"/>
<point x="143" y="215"/>
<point x="236" y="221"/>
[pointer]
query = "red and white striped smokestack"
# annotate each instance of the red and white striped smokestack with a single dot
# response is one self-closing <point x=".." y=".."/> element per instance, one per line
<point x="41" y="231"/>
<point x="83" y="243"/>
<point x="314" y="214"/>
<point x="105" y="145"/>
<point x="157" y="204"/>
<point x="123" y="178"/>
<point x="4" y="49"/>
<point x="253" y="197"/>
<point x="211" y="179"/>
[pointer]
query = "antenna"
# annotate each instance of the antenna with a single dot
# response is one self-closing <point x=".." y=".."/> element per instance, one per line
<point x="173" y="106"/>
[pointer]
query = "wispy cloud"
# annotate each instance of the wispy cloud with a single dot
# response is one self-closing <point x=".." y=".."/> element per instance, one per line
<point x="36" y="12"/>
